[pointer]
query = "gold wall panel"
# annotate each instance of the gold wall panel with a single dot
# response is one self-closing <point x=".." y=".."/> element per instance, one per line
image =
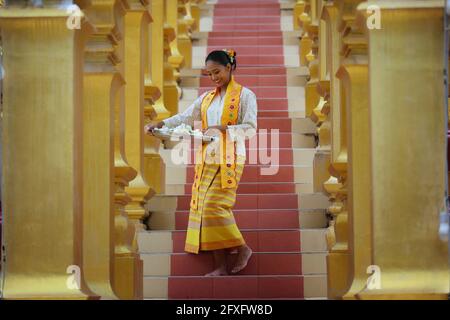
<point x="42" y="162"/>
<point x="407" y="133"/>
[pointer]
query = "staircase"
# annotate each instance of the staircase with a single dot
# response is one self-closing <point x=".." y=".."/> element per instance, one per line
<point x="280" y="216"/>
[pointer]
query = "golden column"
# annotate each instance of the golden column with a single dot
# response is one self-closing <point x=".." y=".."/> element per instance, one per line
<point x="185" y="26"/>
<point x="317" y="88"/>
<point x="336" y="186"/>
<point x="309" y="47"/>
<point x="42" y="158"/>
<point x="136" y="21"/>
<point x="154" y="89"/>
<point x="157" y="54"/>
<point x="407" y="147"/>
<point x="171" y="91"/>
<point x="195" y="13"/>
<point x="128" y="276"/>
<point x="305" y="19"/>
<point x="101" y="82"/>
<point x="353" y="75"/>
<point x="299" y="9"/>
<point x="175" y="59"/>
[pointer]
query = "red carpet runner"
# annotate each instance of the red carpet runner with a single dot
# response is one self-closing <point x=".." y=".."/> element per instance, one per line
<point x="266" y="209"/>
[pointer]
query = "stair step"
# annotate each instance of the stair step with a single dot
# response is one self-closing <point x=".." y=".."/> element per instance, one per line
<point x="244" y="27"/>
<point x="248" y="19"/>
<point x="260" y="70"/>
<point x="264" y="104"/>
<point x="249" y="4"/>
<point x="183" y="264"/>
<point x="272" y="104"/>
<point x="237" y="11"/>
<point x="313" y="201"/>
<point x="245" y="33"/>
<point x="235" y="287"/>
<point x="259" y="60"/>
<point x="251" y="41"/>
<point x="314" y="287"/>
<point x="261" y="92"/>
<point x="273" y="114"/>
<point x="287" y="240"/>
<point x="282" y="124"/>
<point x="261" y="263"/>
<point x="260" y="240"/>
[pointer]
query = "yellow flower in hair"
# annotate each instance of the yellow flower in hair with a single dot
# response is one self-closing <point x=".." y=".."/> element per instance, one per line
<point x="231" y="54"/>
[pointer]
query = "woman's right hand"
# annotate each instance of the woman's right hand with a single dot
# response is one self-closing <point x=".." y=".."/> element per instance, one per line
<point x="148" y="129"/>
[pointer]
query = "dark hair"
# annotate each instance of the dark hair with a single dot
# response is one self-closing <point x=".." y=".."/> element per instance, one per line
<point x="223" y="57"/>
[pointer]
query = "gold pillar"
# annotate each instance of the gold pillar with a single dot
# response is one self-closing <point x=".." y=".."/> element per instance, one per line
<point x="337" y="233"/>
<point x="299" y="8"/>
<point x="156" y="92"/>
<point x="136" y="22"/>
<point x="42" y="154"/>
<point x="185" y="27"/>
<point x="128" y="278"/>
<point x="171" y="91"/>
<point x="157" y="57"/>
<point x="195" y="13"/>
<point x="101" y="81"/>
<point x="175" y="58"/>
<point x="306" y="40"/>
<point x="106" y="171"/>
<point x="317" y="94"/>
<point x="407" y="145"/>
<point x="353" y="75"/>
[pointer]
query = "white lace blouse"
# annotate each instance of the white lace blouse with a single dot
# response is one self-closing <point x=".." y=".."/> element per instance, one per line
<point x="247" y="117"/>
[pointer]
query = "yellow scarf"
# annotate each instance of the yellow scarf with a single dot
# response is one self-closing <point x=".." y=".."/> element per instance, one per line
<point x="227" y="147"/>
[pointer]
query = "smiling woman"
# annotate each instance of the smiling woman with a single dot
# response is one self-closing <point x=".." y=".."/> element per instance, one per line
<point x="227" y="109"/>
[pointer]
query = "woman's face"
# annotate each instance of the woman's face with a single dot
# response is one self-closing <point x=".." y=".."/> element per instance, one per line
<point x="219" y="74"/>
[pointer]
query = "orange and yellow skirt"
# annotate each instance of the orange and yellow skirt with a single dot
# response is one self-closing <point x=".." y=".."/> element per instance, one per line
<point x="212" y="226"/>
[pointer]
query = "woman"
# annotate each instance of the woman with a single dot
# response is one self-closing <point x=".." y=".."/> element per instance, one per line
<point x="223" y="112"/>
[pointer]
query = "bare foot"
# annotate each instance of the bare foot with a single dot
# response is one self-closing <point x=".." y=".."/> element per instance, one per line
<point x="218" y="272"/>
<point x="243" y="256"/>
